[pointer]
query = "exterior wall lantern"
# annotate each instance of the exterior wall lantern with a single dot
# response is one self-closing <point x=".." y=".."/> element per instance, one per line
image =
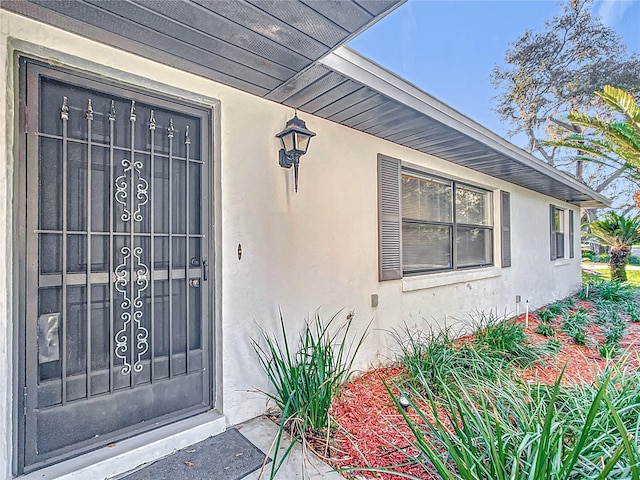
<point x="295" y="140"/>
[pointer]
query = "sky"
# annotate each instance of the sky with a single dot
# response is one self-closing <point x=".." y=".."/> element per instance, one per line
<point x="449" y="48"/>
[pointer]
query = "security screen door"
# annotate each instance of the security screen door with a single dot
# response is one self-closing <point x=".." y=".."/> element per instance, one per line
<point x="116" y="301"/>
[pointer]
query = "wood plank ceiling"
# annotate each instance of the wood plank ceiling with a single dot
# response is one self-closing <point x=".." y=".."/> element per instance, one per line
<point x="253" y="45"/>
<point x="284" y="50"/>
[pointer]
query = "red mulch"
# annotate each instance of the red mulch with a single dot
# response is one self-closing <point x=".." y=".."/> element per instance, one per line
<point x="372" y="430"/>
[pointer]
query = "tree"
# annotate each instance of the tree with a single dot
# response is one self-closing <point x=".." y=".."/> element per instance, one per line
<point x="550" y="73"/>
<point x="619" y="233"/>
<point x="615" y="143"/>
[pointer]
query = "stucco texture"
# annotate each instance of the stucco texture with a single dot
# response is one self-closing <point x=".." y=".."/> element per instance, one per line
<point x="314" y="249"/>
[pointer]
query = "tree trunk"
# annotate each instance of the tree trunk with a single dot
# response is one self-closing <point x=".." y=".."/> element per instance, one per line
<point x="579" y="170"/>
<point x="590" y="213"/>
<point x="618" y="262"/>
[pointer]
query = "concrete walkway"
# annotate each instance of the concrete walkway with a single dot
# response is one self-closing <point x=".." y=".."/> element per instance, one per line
<point x="261" y="432"/>
<point x="214" y="458"/>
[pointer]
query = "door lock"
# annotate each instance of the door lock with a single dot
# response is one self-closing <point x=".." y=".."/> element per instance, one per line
<point x="205" y="270"/>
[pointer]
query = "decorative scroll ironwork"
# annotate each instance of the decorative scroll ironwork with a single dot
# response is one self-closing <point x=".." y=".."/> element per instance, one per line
<point x="142" y="334"/>
<point x="132" y="275"/>
<point x="122" y="190"/>
<point x="121" y="285"/>
<point x="142" y="193"/>
<point x="131" y="309"/>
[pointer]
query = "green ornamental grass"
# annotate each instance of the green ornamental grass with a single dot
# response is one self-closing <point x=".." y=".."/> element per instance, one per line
<point x="507" y="430"/>
<point x="476" y="420"/>
<point x="546" y="315"/>
<point x="305" y="376"/>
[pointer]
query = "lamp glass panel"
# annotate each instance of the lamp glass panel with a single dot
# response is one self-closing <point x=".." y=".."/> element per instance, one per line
<point x="288" y="142"/>
<point x="303" y="142"/>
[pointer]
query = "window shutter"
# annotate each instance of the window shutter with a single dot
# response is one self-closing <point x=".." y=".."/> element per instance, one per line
<point x="552" y="232"/>
<point x="390" y="219"/>
<point x="505" y="233"/>
<point x="571" y="235"/>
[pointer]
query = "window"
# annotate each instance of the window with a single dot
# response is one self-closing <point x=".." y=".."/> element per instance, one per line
<point x="571" y="235"/>
<point x="557" y="221"/>
<point x="429" y="223"/>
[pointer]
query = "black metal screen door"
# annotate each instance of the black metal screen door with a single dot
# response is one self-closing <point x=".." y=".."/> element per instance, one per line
<point x="116" y="337"/>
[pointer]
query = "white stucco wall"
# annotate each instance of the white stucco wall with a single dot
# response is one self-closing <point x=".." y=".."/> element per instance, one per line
<point x="301" y="251"/>
<point x="6" y="324"/>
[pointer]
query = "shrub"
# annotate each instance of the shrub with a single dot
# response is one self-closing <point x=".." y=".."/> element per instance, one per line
<point x="561" y="307"/>
<point x="606" y="290"/>
<point x="306" y="376"/>
<point x="632" y="311"/>
<point x="553" y="345"/>
<point x="574" y="325"/>
<point x="503" y="338"/>
<point x="614" y="291"/>
<point x="427" y="356"/>
<point x="545" y="315"/>
<point x="614" y="332"/>
<point x="633" y="260"/>
<point x="546" y="330"/>
<point x="607" y="350"/>
<point x="587" y="254"/>
<point x="505" y="430"/>
<point x="433" y="358"/>
<point x="579" y="337"/>
<point x="606" y="312"/>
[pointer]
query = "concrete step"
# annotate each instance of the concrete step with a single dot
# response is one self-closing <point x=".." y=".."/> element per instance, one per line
<point x="129" y="454"/>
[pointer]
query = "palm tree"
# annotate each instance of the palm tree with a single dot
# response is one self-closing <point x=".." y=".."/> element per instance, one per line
<point x="614" y="143"/>
<point x="618" y="233"/>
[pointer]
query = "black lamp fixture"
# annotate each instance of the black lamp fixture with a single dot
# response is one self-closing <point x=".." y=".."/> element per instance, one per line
<point x="295" y="140"/>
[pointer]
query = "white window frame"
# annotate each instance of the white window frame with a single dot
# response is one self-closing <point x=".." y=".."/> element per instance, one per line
<point x="561" y="232"/>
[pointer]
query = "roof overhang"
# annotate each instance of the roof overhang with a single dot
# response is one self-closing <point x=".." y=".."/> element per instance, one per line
<point x="253" y="45"/>
<point x="291" y="52"/>
<point x="400" y="112"/>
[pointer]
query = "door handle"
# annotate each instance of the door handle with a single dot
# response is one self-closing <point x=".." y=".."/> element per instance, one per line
<point x="205" y="270"/>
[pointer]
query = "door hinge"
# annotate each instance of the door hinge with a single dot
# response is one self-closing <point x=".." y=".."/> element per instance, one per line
<point x="24" y="401"/>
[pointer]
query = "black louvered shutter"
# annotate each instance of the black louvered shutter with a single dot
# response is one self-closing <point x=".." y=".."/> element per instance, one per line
<point x="552" y="232"/>
<point x="389" y="218"/>
<point x="571" y="235"/>
<point x="505" y="232"/>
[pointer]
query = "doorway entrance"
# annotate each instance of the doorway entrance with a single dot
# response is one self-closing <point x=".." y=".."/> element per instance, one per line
<point x="113" y="192"/>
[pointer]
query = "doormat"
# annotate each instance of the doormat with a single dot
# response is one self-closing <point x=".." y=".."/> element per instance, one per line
<point x="227" y="456"/>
